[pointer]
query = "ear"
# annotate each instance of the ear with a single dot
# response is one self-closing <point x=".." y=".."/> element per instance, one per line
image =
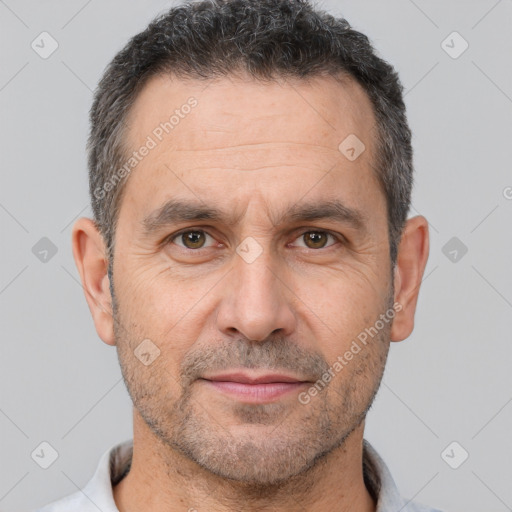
<point x="410" y="265"/>
<point x="92" y="263"/>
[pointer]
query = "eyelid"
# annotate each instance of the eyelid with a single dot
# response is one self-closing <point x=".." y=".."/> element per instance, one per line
<point x="336" y="236"/>
<point x="174" y="236"/>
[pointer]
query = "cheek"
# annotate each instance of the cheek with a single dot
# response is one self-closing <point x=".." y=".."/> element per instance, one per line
<point x="170" y="310"/>
<point x="341" y="304"/>
<point x="153" y="388"/>
<point x="156" y="296"/>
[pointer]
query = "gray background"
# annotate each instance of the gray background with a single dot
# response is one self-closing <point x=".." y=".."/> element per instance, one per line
<point x="450" y="381"/>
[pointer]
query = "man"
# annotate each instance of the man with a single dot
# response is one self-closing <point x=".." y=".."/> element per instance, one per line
<point x="250" y="258"/>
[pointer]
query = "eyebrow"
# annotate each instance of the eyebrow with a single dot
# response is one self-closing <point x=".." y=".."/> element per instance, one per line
<point x="333" y="210"/>
<point x="176" y="211"/>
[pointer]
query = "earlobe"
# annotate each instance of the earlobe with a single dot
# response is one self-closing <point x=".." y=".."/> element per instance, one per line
<point x="92" y="264"/>
<point x="410" y="265"/>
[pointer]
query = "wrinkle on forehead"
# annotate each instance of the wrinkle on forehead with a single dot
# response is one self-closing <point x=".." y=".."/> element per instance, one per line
<point x="257" y="156"/>
<point x="278" y="140"/>
<point x="243" y="112"/>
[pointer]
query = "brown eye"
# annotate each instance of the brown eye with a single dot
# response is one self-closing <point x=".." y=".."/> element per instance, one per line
<point x="191" y="239"/>
<point x="315" y="239"/>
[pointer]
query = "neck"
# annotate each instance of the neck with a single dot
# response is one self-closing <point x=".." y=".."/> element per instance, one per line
<point x="162" y="479"/>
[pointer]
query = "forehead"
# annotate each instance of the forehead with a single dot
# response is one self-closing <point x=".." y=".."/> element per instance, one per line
<point x="233" y="110"/>
<point x="211" y="134"/>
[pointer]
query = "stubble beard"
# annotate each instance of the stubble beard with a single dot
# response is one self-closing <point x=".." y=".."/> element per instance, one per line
<point x="271" y="443"/>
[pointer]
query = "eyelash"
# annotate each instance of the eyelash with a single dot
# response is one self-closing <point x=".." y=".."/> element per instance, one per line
<point x="336" y="237"/>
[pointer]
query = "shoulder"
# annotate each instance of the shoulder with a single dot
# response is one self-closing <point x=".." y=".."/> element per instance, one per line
<point x="97" y="494"/>
<point x="76" y="501"/>
<point x="382" y="487"/>
<point x="417" y="507"/>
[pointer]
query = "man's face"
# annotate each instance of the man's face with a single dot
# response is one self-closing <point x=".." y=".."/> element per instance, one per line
<point x="272" y="286"/>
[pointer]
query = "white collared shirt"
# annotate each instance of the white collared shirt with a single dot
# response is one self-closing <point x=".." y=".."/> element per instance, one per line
<point x="115" y="463"/>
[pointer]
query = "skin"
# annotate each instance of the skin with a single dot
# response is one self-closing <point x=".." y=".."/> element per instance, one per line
<point x="253" y="150"/>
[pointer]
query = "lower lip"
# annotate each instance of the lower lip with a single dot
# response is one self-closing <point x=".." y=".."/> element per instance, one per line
<point x="256" y="393"/>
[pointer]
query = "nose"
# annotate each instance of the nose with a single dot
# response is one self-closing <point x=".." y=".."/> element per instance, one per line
<point x="256" y="301"/>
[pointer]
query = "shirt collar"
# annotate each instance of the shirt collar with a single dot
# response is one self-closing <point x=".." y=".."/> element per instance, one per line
<point x="115" y="464"/>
